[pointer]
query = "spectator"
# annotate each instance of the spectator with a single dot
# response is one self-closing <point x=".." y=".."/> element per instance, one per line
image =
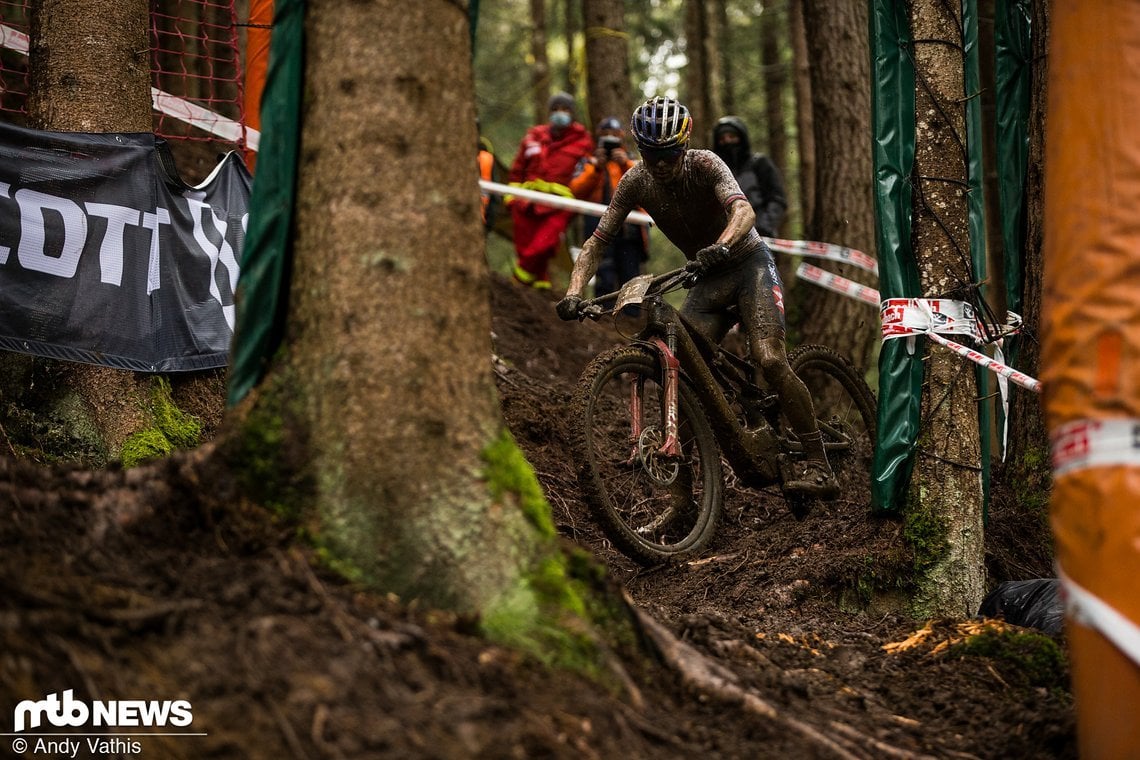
<point x="486" y="159"/>
<point x="595" y="181"/>
<point x="545" y="161"/>
<point x="759" y="178"/>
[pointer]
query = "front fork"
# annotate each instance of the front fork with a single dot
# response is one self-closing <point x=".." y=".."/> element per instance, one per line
<point x="671" y="367"/>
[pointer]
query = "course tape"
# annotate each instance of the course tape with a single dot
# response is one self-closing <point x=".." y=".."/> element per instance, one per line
<point x="1096" y="443"/>
<point x="834" y="282"/>
<point x="938" y="317"/>
<point x="560" y="201"/>
<point x="163" y="102"/>
<point x="828" y="251"/>
<point x="1086" y="608"/>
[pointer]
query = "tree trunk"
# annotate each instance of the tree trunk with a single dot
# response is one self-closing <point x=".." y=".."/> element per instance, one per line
<point x="773" y="30"/>
<point x="540" y="71"/>
<point x="805" y="127"/>
<point x="701" y="80"/>
<point x="571" y="9"/>
<point x="607" y="60"/>
<point x="844" y="212"/>
<point x="71" y="89"/>
<point x="728" y="75"/>
<point x="385" y="386"/>
<point x="944" y="510"/>
<point x="1028" y="438"/>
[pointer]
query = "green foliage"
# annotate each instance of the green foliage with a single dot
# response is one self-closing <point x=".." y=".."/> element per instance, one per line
<point x="1026" y="659"/>
<point x="173" y="429"/>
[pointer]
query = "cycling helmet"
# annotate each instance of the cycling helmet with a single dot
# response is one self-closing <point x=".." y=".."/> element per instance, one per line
<point x="661" y="123"/>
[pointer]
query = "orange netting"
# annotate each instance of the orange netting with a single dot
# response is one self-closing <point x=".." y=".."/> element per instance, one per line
<point x="196" y="68"/>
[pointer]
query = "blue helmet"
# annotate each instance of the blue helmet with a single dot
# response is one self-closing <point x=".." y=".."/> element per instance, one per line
<point x="661" y="123"/>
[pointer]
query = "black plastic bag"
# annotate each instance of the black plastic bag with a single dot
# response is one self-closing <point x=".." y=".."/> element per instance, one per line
<point x="1032" y="604"/>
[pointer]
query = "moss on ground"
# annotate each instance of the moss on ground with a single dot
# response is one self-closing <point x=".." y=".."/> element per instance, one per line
<point x="173" y="429"/>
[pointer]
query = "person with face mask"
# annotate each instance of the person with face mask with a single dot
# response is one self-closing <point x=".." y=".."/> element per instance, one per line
<point x="546" y="160"/>
<point x="759" y="178"/>
<point x="696" y="201"/>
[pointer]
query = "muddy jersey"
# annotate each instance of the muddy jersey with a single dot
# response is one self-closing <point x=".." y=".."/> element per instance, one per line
<point x="692" y="210"/>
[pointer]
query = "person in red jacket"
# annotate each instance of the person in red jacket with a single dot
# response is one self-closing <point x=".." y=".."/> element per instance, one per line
<point x="595" y="181"/>
<point x="545" y="161"/>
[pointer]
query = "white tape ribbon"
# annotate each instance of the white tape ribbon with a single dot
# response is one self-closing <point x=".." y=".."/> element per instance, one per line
<point x="838" y="284"/>
<point x="1092" y="612"/>
<point x="828" y="251"/>
<point x="1083" y="444"/>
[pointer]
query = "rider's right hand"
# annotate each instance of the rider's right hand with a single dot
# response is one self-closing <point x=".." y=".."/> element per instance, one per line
<point x="567" y="308"/>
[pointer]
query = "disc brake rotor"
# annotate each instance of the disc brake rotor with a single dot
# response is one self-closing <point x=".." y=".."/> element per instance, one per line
<point x="660" y="469"/>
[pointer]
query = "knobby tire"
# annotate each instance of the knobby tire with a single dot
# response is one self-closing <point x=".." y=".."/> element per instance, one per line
<point x="652" y="512"/>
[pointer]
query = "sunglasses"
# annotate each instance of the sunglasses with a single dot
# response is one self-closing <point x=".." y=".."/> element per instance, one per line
<point x="655" y="156"/>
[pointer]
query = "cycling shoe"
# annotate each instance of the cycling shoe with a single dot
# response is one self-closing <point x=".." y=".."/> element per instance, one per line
<point x="813" y="479"/>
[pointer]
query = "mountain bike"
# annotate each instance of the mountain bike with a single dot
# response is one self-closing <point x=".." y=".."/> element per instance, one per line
<point x="652" y="419"/>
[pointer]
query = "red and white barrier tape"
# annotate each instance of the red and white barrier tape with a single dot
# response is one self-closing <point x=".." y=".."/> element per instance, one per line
<point x="561" y="201"/>
<point x="1086" y="608"/>
<point x="834" y="282"/>
<point x="164" y="102"/>
<point x="1096" y="443"/>
<point x="828" y="251"/>
<point x="1004" y="372"/>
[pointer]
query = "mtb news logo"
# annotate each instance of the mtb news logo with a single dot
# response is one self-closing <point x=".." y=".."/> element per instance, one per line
<point x="68" y="712"/>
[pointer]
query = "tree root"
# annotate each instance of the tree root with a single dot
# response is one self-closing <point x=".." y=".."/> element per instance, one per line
<point x="706" y="676"/>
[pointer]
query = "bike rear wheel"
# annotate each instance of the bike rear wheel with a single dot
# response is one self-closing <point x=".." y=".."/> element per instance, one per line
<point x="846" y="412"/>
<point x="655" y="508"/>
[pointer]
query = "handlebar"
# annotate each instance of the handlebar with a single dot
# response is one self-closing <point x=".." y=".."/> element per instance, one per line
<point x="637" y="290"/>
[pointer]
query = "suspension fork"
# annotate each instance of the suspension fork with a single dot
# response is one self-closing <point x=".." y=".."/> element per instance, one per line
<point x="671" y="369"/>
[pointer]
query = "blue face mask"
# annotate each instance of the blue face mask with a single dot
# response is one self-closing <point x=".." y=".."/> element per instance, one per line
<point x="560" y="119"/>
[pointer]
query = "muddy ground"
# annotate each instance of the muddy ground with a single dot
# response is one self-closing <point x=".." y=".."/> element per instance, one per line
<point x="224" y="608"/>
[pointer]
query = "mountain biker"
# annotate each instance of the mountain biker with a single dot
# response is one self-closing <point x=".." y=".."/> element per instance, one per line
<point x="698" y="204"/>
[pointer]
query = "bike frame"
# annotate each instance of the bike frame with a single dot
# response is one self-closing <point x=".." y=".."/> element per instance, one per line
<point x="755" y="455"/>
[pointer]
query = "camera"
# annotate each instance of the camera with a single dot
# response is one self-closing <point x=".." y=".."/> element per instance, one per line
<point x="609" y="143"/>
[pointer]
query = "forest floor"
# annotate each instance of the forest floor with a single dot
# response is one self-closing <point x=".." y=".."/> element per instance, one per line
<point x="225" y="608"/>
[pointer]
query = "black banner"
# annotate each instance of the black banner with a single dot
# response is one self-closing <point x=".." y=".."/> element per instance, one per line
<point x="107" y="257"/>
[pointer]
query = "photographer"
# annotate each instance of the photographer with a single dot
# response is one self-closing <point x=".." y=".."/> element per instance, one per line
<point x="595" y="180"/>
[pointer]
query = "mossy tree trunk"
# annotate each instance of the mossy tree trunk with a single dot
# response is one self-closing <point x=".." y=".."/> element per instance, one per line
<point x="944" y="509"/>
<point x="89" y="72"/>
<point x="384" y="392"/>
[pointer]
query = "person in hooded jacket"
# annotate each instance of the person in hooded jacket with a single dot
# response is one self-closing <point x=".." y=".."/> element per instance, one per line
<point x="759" y="178"/>
<point x="546" y="159"/>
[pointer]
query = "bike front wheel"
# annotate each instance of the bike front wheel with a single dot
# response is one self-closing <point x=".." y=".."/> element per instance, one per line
<point x="654" y="504"/>
<point x="845" y="410"/>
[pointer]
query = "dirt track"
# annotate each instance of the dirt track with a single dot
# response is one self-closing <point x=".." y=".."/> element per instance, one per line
<point x="220" y="607"/>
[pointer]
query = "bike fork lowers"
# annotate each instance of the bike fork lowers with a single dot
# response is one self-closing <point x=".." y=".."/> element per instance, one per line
<point x="671" y="368"/>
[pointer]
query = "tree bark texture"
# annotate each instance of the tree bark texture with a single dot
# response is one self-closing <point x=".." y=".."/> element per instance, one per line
<point x="728" y="75"/>
<point x="773" y="30"/>
<point x="607" y="60"/>
<point x="570" y="14"/>
<point x="805" y="125"/>
<point x="946" y="488"/>
<point x="844" y="210"/>
<point x="94" y="81"/>
<point x="540" y="69"/>
<point x="702" y="80"/>
<point x="388" y="324"/>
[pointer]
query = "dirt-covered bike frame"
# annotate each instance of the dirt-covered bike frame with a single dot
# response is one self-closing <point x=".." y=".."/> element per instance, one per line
<point x="651" y="420"/>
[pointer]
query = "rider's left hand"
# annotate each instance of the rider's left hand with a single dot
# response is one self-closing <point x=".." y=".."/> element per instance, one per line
<point x="709" y="257"/>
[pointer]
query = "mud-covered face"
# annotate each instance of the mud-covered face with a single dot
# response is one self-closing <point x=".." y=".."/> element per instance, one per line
<point x="664" y="165"/>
